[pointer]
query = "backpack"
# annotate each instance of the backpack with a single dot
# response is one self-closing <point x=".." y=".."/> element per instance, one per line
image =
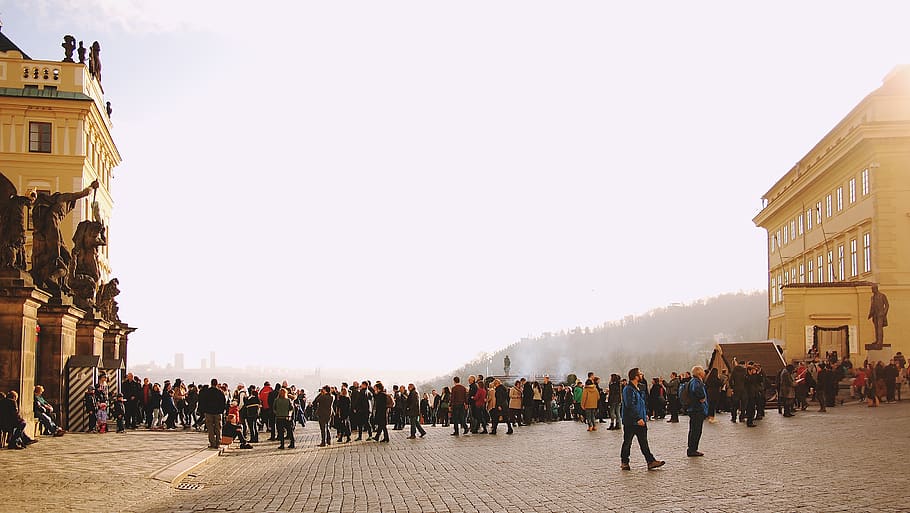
<point x="684" y="398"/>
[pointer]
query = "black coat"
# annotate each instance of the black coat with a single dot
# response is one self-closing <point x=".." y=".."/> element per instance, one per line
<point x="502" y="397"/>
<point x="9" y="414"/>
<point x="412" y="409"/>
<point x="212" y="401"/>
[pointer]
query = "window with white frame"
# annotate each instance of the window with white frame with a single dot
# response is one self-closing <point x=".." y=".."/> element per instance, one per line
<point x="808" y="219"/>
<point x="867" y="252"/>
<point x="840" y="262"/>
<point x="786" y="234"/>
<point x="821" y="268"/>
<point x="773" y="242"/>
<point x="792" y="275"/>
<point x="802" y="273"/>
<point x="778" y="239"/>
<point x="840" y="199"/>
<point x="786" y="280"/>
<point x="773" y="292"/>
<point x="830" y="268"/>
<point x="851" y="190"/>
<point x="853" y="260"/>
<point x="828" y="206"/>
<point x="811" y="272"/>
<point x="865" y="181"/>
<point x="818" y="213"/>
<point x="800" y="224"/>
<point x="793" y="228"/>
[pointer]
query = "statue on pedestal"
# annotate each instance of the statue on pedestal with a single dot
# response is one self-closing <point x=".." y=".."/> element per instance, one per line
<point x="50" y="258"/>
<point x="506" y="364"/>
<point x="878" y="312"/>
<point x="81" y="51"/>
<point x="85" y="270"/>
<point x="13" y="216"/>
<point x="106" y="303"/>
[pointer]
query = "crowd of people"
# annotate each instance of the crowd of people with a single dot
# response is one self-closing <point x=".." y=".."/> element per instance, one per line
<point x="479" y="406"/>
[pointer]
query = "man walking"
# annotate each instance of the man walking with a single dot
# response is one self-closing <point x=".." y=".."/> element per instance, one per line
<point x="459" y="400"/>
<point x="634" y="420"/>
<point x="697" y="409"/>
<point x="738" y="384"/>
<point x="412" y="408"/>
<point x="212" y="403"/>
<point x="323" y="406"/>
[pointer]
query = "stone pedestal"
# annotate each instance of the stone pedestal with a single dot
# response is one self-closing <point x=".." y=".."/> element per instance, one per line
<point x="19" y="303"/>
<point x="90" y="334"/>
<point x="56" y="343"/>
<point x="111" y="345"/>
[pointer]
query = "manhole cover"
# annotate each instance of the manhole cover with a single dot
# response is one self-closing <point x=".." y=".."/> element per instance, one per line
<point x="189" y="486"/>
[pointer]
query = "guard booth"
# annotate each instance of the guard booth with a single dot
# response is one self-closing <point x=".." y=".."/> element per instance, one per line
<point x="114" y="369"/>
<point x="81" y="374"/>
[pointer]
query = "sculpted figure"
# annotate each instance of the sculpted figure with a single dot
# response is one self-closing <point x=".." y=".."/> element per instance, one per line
<point x="878" y="312"/>
<point x="506" y="364"/>
<point x="106" y="302"/>
<point x="85" y="270"/>
<point x="13" y="213"/>
<point x="50" y="258"/>
<point x="95" y="61"/>
<point x="81" y="52"/>
<point x="69" y="44"/>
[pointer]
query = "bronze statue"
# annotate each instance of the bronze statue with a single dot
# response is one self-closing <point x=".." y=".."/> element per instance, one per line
<point x="878" y="312"/>
<point x="506" y="364"/>
<point x="50" y="258"/>
<point x="94" y="66"/>
<point x="85" y="270"/>
<point x="81" y="52"/>
<point x="13" y="215"/>
<point x="106" y="303"/>
<point x="69" y="44"/>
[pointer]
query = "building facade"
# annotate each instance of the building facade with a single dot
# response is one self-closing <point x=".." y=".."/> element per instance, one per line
<point x="838" y="223"/>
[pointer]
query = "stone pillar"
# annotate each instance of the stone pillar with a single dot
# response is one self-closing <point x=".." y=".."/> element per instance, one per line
<point x="56" y="343"/>
<point x="19" y="303"/>
<point x="90" y="335"/>
<point x="111" y="344"/>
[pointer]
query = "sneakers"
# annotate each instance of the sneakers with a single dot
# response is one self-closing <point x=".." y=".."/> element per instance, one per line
<point x="655" y="464"/>
<point x="624" y="466"/>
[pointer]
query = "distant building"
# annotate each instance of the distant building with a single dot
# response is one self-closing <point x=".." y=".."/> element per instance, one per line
<point x="837" y="223"/>
<point x="178" y="361"/>
<point x="212" y="359"/>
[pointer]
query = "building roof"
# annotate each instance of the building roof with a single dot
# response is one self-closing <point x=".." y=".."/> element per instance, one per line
<point x="763" y="353"/>
<point x="7" y="45"/>
<point x="47" y="92"/>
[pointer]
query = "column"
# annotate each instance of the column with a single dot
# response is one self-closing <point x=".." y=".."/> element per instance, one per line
<point x="90" y="335"/>
<point x="56" y="343"/>
<point x="111" y="345"/>
<point x="19" y="303"/>
<point x="124" y="341"/>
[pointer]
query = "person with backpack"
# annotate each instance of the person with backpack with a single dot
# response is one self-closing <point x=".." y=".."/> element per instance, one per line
<point x="635" y="422"/>
<point x="694" y="398"/>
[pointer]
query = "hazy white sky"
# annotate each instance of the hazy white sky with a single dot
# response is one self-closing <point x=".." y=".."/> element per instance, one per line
<point x="401" y="185"/>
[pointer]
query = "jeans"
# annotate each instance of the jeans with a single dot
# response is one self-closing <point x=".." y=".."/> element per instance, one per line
<point x="415" y="426"/>
<point x="457" y="417"/>
<point x="324" y="432"/>
<point x="629" y="432"/>
<point x="590" y="417"/>
<point x="253" y="428"/>
<point x="285" y="427"/>
<point x="696" y="422"/>
<point x="614" y="413"/>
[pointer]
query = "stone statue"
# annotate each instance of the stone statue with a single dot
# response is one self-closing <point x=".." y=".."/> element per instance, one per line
<point x="50" y="258"/>
<point x="878" y="312"/>
<point x="13" y="214"/>
<point x="506" y="364"/>
<point x="108" y="108"/>
<point x="69" y="44"/>
<point x="81" y="52"/>
<point x="85" y="269"/>
<point x="94" y="66"/>
<point x="106" y="303"/>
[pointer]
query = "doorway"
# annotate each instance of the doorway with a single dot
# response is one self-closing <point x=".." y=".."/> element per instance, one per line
<point x="832" y="341"/>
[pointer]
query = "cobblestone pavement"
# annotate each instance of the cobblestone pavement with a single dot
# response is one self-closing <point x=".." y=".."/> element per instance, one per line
<point x="852" y="458"/>
<point x="82" y="472"/>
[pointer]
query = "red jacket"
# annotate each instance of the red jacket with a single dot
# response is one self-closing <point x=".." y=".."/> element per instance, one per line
<point x="264" y="397"/>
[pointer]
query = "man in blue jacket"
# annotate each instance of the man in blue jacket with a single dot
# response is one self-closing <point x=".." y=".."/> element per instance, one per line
<point x="634" y="421"/>
<point x="697" y="409"/>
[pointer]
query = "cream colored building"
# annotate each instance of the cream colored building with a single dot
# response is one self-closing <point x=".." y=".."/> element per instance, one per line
<point x="55" y="134"/>
<point x="838" y="222"/>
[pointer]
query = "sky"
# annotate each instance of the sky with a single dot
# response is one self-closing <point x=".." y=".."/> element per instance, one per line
<point x="403" y="185"/>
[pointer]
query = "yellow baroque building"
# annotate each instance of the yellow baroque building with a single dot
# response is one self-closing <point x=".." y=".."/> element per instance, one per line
<point x="55" y="134"/>
<point x="839" y="222"/>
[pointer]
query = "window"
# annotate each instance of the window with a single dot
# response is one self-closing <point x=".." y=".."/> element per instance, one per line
<point x="808" y="219"/>
<point x="811" y="273"/>
<point x="800" y="224"/>
<point x="778" y="239"/>
<point x="821" y="269"/>
<point x="865" y="178"/>
<point x="867" y="253"/>
<point x="773" y="292"/>
<point x="851" y="190"/>
<point x="802" y="273"/>
<point x="786" y="232"/>
<point x="853" y="266"/>
<point x="773" y="243"/>
<point x="818" y="213"/>
<point x="840" y="199"/>
<point x="793" y="229"/>
<point x="786" y="280"/>
<point x="840" y="262"/>
<point x="827" y="206"/>
<point x="830" y="267"/>
<point x="39" y="137"/>
<point x="792" y="275"/>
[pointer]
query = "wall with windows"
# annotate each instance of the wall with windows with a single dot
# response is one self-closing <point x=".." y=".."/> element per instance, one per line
<point x="840" y="220"/>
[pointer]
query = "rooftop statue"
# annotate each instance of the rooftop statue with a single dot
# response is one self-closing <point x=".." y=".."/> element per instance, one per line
<point x="81" y="50"/>
<point x="13" y="216"/>
<point x="50" y="258"/>
<point x="69" y="44"/>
